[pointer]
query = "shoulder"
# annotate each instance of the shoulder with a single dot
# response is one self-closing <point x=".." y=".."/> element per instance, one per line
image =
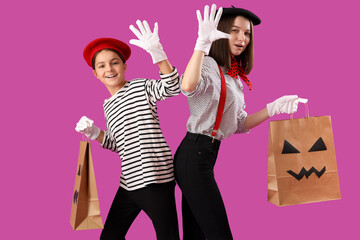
<point x="209" y="67"/>
<point x="138" y="81"/>
<point x="209" y="61"/>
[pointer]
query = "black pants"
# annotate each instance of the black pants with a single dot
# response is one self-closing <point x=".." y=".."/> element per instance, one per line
<point x="204" y="214"/>
<point x="157" y="201"/>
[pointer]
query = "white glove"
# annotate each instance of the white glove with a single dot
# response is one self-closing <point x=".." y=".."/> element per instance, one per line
<point x="149" y="41"/>
<point x="286" y="104"/>
<point x="208" y="32"/>
<point x="87" y="127"/>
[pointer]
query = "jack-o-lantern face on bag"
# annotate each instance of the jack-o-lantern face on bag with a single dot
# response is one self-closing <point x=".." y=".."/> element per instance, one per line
<point x="302" y="163"/>
<point x="319" y="145"/>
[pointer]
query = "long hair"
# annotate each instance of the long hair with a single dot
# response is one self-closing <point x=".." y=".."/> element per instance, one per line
<point x="220" y="51"/>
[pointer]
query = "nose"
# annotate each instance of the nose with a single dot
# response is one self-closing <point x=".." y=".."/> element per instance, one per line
<point x="241" y="36"/>
<point x="109" y="67"/>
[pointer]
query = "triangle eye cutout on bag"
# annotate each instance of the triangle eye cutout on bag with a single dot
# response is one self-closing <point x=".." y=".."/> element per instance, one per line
<point x="288" y="148"/>
<point x="302" y="165"/>
<point x="318" y="146"/>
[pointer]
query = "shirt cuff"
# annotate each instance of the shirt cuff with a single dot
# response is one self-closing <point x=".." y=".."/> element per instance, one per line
<point x="162" y="75"/>
<point x="193" y="92"/>
<point x="241" y="123"/>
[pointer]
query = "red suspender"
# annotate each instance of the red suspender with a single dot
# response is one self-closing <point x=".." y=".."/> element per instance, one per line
<point x="221" y="104"/>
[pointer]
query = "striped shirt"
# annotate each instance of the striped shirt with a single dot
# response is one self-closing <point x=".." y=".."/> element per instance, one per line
<point x="204" y="101"/>
<point x="133" y="131"/>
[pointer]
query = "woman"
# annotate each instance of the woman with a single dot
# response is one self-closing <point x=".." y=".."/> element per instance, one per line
<point x="204" y="215"/>
<point x="133" y="131"/>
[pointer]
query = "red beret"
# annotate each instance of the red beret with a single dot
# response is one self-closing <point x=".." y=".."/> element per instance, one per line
<point x="105" y="43"/>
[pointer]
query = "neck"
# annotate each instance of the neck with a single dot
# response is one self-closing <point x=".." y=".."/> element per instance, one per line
<point x="114" y="90"/>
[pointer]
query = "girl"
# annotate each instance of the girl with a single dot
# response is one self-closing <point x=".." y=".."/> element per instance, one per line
<point x="204" y="215"/>
<point x="133" y="131"/>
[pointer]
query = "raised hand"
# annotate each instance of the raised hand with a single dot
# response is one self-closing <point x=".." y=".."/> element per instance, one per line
<point x="149" y="41"/>
<point x="208" y="32"/>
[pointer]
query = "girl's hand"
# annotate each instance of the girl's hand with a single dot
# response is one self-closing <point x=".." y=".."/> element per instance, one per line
<point x="208" y="32"/>
<point x="149" y="41"/>
<point x="86" y="126"/>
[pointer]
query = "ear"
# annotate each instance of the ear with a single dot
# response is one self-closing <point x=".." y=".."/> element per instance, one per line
<point x="125" y="66"/>
<point x="95" y="74"/>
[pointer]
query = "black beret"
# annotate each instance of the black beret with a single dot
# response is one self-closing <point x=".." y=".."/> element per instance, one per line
<point x="242" y="12"/>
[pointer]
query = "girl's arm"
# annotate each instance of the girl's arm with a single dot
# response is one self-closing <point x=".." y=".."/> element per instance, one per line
<point x="165" y="67"/>
<point x="100" y="138"/>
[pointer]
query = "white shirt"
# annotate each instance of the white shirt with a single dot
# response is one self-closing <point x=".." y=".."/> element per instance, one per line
<point x="204" y="101"/>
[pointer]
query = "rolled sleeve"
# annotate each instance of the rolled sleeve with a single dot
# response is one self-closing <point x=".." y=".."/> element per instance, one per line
<point x="241" y="123"/>
<point x="199" y="89"/>
<point x="109" y="142"/>
<point x="209" y="71"/>
<point x="167" y="86"/>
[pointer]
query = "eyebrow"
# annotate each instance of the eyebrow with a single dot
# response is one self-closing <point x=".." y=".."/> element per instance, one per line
<point x="240" y="28"/>
<point x="110" y="60"/>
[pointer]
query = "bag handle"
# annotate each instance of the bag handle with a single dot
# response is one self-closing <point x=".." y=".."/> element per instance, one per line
<point x="305" y="102"/>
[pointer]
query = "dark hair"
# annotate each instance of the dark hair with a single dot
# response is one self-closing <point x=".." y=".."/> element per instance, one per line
<point x="220" y="48"/>
<point x="93" y="59"/>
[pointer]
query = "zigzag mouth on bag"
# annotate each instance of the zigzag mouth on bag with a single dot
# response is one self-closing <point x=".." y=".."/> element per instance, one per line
<point x="307" y="173"/>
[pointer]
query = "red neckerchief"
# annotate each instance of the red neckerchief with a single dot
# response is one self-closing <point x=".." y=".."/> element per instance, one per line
<point x="236" y="70"/>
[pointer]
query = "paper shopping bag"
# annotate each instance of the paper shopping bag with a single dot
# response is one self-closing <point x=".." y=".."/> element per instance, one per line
<point x="301" y="161"/>
<point x="85" y="210"/>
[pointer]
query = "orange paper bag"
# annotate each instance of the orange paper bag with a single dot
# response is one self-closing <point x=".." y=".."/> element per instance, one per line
<point x="85" y="210"/>
<point x="301" y="161"/>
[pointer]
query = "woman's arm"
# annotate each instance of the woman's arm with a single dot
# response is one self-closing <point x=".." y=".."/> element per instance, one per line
<point x="255" y="119"/>
<point x="207" y="33"/>
<point x="193" y="71"/>
<point x="286" y="104"/>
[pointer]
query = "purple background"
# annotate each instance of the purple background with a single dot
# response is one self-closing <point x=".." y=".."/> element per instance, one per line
<point x="308" y="47"/>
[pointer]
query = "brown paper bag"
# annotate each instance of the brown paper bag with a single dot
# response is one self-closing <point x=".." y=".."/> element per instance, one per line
<point x="85" y="210"/>
<point x="301" y="161"/>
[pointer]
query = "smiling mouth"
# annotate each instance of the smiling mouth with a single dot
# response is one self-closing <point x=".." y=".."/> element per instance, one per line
<point x="111" y="76"/>
<point x="239" y="46"/>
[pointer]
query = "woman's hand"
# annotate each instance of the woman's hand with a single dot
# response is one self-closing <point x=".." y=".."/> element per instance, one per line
<point x="286" y="104"/>
<point x="149" y="41"/>
<point x="208" y="32"/>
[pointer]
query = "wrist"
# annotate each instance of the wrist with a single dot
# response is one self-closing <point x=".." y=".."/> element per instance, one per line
<point x="95" y="132"/>
<point x="202" y="46"/>
<point x="270" y="109"/>
<point x="158" y="55"/>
